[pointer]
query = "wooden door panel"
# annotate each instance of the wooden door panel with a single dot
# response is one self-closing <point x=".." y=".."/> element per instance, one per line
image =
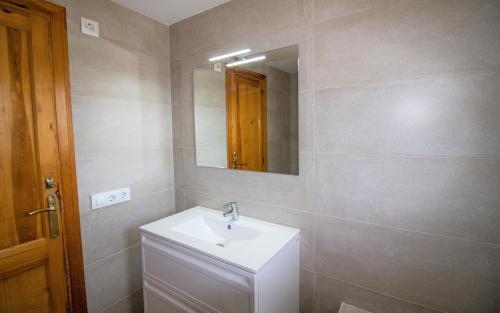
<point x="18" y="258"/>
<point x="13" y="18"/>
<point x="18" y="166"/>
<point x="248" y="123"/>
<point x="35" y="297"/>
<point x="246" y="120"/>
<point x="32" y="265"/>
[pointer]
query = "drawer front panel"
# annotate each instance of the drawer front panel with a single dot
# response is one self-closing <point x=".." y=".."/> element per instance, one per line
<point x="159" y="301"/>
<point x="211" y="286"/>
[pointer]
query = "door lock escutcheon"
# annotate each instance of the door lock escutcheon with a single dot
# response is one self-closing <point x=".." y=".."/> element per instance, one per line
<point x="50" y="182"/>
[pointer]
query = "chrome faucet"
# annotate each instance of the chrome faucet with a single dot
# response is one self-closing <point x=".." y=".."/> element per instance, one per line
<point x="233" y="210"/>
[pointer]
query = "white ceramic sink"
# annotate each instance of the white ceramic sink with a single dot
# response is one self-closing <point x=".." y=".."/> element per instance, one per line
<point x="216" y="231"/>
<point x="247" y="243"/>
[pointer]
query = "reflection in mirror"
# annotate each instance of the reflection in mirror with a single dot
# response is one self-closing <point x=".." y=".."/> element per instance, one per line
<point x="246" y="112"/>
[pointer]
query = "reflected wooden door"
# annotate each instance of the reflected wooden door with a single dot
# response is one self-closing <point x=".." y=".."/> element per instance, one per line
<point x="246" y="120"/>
<point x="32" y="263"/>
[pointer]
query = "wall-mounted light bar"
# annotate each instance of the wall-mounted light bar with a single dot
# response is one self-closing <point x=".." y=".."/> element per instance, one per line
<point x="228" y="55"/>
<point x="245" y="61"/>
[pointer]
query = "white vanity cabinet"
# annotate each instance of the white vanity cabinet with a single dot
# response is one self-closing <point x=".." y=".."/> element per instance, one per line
<point x="178" y="277"/>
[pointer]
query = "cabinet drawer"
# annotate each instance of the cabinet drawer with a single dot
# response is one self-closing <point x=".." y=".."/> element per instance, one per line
<point x="160" y="300"/>
<point x="209" y="285"/>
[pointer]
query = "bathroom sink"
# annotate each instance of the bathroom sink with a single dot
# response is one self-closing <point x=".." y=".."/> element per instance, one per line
<point x="217" y="231"/>
<point x="247" y="243"/>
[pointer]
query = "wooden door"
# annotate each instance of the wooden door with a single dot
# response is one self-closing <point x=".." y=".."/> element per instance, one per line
<point x="246" y="120"/>
<point x="32" y="255"/>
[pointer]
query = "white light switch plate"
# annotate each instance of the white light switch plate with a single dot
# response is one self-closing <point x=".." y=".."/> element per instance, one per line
<point x="100" y="200"/>
<point x="89" y="27"/>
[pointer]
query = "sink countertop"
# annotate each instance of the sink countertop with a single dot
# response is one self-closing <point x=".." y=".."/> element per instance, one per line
<point x="250" y="256"/>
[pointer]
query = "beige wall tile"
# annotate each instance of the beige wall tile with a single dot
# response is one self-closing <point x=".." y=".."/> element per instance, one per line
<point x="156" y="125"/>
<point x="405" y="40"/>
<point x="121" y="26"/>
<point x="188" y="131"/>
<point x="112" y="279"/>
<point x="325" y="10"/>
<point x="143" y="171"/>
<point x="427" y="269"/>
<point x="100" y="69"/>
<point x="449" y="196"/>
<point x="106" y="125"/>
<point x="154" y="79"/>
<point x="228" y="27"/>
<point x="177" y="125"/>
<point x="180" y="199"/>
<point x="307" y="281"/>
<point x="175" y="82"/>
<point x="107" y="171"/>
<point x="179" y="167"/>
<point x="174" y="41"/>
<point x="306" y="121"/>
<point x="158" y="170"/>
<point x="444" y="116"/>
<point x="110" y="229"/>
<point x="283" y="190"/>
<point x="131" y="304"/>
<point x="330" y="293"/>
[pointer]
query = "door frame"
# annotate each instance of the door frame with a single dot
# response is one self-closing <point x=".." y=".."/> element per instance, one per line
<point x="67" y="185"/>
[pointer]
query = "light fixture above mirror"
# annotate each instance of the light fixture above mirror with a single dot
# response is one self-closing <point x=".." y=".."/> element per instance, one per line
<point x="229" y="55"/>
<point x="246" y="61"/>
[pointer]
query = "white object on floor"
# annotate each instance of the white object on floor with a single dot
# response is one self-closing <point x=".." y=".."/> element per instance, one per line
<point x="347" y="308"/>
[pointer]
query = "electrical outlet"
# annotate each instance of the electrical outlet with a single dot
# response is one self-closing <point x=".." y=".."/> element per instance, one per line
<point x="217" y="67"/>
<point x="100" y="200"/>
<point x="89" y="27"/>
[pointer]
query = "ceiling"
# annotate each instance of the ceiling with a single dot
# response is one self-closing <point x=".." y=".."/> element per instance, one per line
<point x="169" y="11"/>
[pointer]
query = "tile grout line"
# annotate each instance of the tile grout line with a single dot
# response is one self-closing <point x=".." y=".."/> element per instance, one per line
<point x="133" y="245"/>
<point x="419" y="156"/>
<point x="314" y="149"/>
<point x="118" y="44"/>
<point x="119" y="301"/>
<point x="314" y="213"/>
<point x="378" y="292"/>
<point x="411" y="230"/>
<point x="129" y="150"/>
<point x="221" y="197"/>
<point x="77" y="94"/>
<point x="457" y="73"/>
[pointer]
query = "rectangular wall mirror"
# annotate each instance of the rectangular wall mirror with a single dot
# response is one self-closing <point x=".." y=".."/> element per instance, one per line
<point x="246" y="111"/>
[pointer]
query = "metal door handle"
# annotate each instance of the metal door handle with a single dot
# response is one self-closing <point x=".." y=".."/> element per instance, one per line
<point x="52" y="209"/>
<point x="41" y="211"/>
<point x="236" y="164"/>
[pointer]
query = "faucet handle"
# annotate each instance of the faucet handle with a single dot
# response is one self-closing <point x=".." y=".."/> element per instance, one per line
<point x="229" y="204"/>
<point x="233" y="210"/>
